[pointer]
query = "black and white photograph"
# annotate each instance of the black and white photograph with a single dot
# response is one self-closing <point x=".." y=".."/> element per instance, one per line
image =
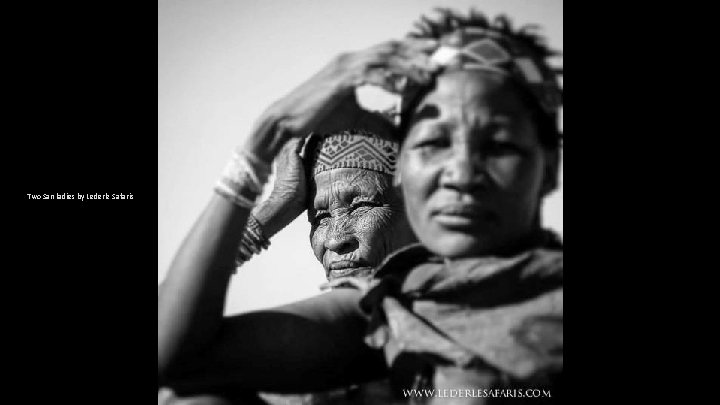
<point x="360" y="202"/>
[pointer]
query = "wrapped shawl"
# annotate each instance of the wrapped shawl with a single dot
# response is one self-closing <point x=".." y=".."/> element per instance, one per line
<point x="469" y="324"/>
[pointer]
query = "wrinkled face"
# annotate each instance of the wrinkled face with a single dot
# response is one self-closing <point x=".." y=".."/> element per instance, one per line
<point x="472" y="168"/>
<point x="357" y="220"/>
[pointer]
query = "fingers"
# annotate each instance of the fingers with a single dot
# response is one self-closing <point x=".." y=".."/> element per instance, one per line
<point x="300" y="144"/>
<point x="386" y="64"/>
<point x="418" y="52"/>
<point x="389" y="65"/>
<point x="289" y="159"/>
<point x="395" y="77"/>
<point x="294" y="147"/>
<point x="407" y="46"/>
<point x="309" y="144"/>
<point x="383" y="78"/>
<point x="289" y="148"/>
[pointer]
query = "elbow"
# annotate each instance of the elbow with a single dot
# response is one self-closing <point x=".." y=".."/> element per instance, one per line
<point x="173" y="364"/>
<point x="167" y="350"/>
<point x="163" y="368"/>
<point x="168" y="359"/>
<point x="168" y="371"/>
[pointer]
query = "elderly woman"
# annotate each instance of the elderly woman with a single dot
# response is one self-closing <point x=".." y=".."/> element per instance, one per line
<point x="357" y="217"/>
<point x="476" y="306"/>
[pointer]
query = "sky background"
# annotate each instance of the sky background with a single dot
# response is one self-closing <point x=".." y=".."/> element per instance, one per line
<point x="221" y="63"/>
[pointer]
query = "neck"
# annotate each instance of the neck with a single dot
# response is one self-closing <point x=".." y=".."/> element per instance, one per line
<point x="535" y="239"/>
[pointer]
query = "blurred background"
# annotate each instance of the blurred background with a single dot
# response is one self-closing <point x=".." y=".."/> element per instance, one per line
<point x="221" y="63"/>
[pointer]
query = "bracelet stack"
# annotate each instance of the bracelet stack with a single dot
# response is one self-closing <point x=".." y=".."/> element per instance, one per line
<point x="243" y="179"/>
<point x="242" y="183"/>
<point x="253" y="241"/>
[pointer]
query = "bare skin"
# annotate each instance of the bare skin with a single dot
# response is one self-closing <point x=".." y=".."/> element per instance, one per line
<point x="357" y="220"/>
<point x="490" y="152"/>
<point x="473" y="169"/>
<point x="201" y="351"/>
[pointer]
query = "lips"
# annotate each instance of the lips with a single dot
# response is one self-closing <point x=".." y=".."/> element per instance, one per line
<point x="465" y="210"/>
<point x="460" y="216"/>
<point x="344" y="268"/>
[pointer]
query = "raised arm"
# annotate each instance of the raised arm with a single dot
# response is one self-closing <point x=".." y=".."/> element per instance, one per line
<point x="191" y="298"/>
<point x="191" y="330"/>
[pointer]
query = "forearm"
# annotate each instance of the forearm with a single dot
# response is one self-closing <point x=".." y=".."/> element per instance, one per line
<point x="192" y="297"/>
<point x="315" y="344"/>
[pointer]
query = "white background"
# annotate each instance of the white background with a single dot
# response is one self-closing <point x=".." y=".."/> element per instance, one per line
<point x="221" y="63"/>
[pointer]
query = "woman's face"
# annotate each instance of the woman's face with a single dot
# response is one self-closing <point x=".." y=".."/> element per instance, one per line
<point x="472" y="169"/>
<point x="357" y="220"/>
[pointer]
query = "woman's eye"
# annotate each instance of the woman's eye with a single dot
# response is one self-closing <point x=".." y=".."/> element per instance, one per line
<point x="434" y="143"/>
<point x="365" y="204"/>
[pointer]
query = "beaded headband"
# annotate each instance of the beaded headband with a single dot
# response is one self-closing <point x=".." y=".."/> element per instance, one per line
<point x="473" y="48"/>
<point x="355" y="149"/>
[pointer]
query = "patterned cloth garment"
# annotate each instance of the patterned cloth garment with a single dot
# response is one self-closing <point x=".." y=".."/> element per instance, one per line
<point x="470" y="324"/>
<point x="477" y="323"/>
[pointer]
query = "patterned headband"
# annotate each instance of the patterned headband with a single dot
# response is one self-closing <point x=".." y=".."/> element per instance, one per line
<point x="355" y="149"/>
<point x="486" y="49"/>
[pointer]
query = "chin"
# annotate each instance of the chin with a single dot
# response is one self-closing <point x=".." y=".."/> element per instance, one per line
<point x="457" y="245"/>
<point x="361" y="272"/>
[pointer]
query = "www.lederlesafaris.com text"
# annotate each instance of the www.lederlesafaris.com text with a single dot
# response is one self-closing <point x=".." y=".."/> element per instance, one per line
<point x="79" y="196"/>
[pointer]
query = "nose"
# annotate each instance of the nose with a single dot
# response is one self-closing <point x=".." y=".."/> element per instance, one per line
<point x="464" y="171"/>
<point x="341" y="243"/>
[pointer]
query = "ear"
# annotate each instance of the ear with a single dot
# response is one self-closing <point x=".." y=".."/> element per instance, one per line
<point x="551" y="172"/>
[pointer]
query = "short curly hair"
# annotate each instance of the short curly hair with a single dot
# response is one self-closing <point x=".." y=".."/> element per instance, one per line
<point x="449" y="21"/>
